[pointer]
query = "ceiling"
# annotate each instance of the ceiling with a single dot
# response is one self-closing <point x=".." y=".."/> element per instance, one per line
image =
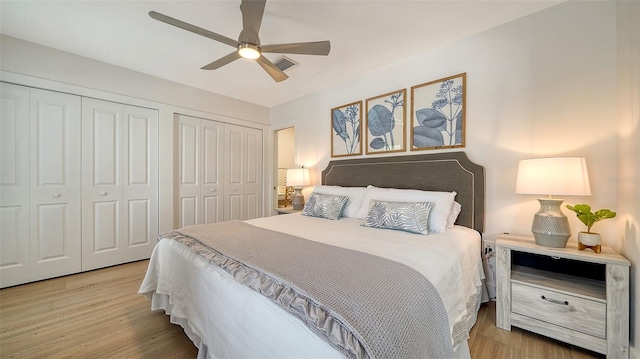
<point x="364" y="35"/>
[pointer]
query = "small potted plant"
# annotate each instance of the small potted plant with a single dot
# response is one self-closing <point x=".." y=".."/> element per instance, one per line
<point x="590" y="239"/>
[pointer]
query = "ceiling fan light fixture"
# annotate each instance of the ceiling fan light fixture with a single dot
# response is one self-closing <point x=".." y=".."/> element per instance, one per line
<point x="249" y="51"/>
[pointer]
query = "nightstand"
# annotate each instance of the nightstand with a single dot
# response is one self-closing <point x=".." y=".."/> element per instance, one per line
<point x="578" y="297"/>
<point x="287" y="210"/>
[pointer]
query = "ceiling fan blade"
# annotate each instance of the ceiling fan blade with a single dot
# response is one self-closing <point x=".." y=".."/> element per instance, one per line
<point x="302" y="48"/>
<point x="192" y="28"/>
<point x="252" y="12"/>
<point x="222" y="61"/>
<point x="271" y="69"/>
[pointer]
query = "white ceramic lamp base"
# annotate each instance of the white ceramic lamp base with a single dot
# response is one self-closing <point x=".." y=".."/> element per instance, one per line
<point x="550" y="226"/>
<point x="298" y="199"/>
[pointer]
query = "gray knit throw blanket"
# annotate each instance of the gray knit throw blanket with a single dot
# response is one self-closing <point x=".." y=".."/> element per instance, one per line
<point x="363" y="305"/>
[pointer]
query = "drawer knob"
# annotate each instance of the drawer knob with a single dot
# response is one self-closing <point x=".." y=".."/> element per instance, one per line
<point x="562" y="302"/>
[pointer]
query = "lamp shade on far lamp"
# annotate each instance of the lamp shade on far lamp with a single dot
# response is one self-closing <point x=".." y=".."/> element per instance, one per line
<point x="298" y="178"/>
<point x="566" y="176"/>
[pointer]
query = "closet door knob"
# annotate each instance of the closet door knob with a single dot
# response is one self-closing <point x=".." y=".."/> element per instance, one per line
<point x="104" y="193"/>
<point x="235" y="189"/>
<point x="212" y="190"/>
<point x="56" y="195"/>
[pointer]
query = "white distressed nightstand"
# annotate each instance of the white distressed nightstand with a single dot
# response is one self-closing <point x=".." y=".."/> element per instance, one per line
<point x="287" y="210"/>
<point x="578" y="297"/>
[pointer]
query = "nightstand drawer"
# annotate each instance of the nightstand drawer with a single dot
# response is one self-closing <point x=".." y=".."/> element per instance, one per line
<point x="574" y="313"/>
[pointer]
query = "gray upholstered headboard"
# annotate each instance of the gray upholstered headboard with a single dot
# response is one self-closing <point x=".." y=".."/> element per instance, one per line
<point x="447" y="171"/>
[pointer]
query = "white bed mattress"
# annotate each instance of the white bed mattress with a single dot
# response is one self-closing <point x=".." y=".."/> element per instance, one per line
<point x="227" y="320"/>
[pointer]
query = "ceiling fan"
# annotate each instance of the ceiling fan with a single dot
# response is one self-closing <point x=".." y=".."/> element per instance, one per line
<point x="248" y="44"/>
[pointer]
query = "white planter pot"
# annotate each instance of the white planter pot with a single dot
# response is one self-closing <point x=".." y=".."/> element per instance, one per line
<point x="589" y="239"/>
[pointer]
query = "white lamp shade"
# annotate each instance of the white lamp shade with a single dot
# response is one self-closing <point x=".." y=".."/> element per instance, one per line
<point x="553" y="176"/>
<point x="298" y="177"/>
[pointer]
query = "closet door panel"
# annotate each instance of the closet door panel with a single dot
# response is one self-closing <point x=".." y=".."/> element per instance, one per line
<point x="139" y="151"/>
<point x="119" y="183"/>
<point x="50" y="229"/>
<point x="139" y="222"/>
<point x="140" y="189"/>
<point x="55" y="184"/>
<point x="101" y="136"/>
<point x="234" y="154"/>
<point x="15" y="256"/>
<point x="105" y="226"/>
<point x="234" y="173"/>
<point x="189" y="165"/>
<point x="233" y="212"/>
<point x="101" y="201"/>
<point x="212" y="209"/>
<point x="188" y="211"/>
<point x="190" y="153"/>
<point x="253" y="173"/>
<point x="212" y="155"/>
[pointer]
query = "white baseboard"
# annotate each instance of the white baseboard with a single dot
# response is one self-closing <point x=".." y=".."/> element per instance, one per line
<point x="634" y="353"/>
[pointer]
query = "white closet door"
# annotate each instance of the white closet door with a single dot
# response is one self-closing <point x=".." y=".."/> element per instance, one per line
<point x="101" y="179"/>
<point x="120" y="183"/>
<point x="243" y="175"/>
<point x="200" y="166"/>
<point x="212" y="157"/>
<point x="253" y="173"/>
<point x="140" y="182"/>
<point x="189" y="164"/>
<point x="234" y="172"/>
<point x="15" y="257"/>
<point x="55" y="184"/>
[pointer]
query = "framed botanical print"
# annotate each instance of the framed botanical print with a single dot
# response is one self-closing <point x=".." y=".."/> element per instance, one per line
<point x="438" y="113"/>
<point x="346" y="130"/>
<point x="386" y="120"/>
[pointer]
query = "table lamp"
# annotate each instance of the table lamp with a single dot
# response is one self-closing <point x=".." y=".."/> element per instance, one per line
<point x="552" y="176"/>
<point x="297" y="178"/>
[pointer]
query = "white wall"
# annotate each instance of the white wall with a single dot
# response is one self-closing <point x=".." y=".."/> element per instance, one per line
<point x="628" y="178"/>
<point x="23" y="57"/>
<point x="34" y="65"/>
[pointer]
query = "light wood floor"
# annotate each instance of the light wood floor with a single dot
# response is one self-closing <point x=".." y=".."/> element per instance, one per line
<point x="99" y="314"/>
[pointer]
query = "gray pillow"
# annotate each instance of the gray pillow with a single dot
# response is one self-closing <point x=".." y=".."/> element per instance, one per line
<point x="410" y="217"/>
<point x="325" y="206"/>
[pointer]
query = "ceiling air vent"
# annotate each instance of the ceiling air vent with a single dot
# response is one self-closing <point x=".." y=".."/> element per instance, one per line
<point x="284" y="63"/>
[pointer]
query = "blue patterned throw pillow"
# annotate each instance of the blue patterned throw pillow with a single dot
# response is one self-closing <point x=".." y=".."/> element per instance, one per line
<point x="325" y="206"/>
<point x="410" y="217"/>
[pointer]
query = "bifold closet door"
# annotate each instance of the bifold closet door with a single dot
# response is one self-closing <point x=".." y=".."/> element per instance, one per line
<point x="211" y="189"/>
<point x="200" y="171"/>
<point x="243" y="173"/>
<point x="15" y="257"/>
<point x="253" y="173"/>
<point x="55" y="228"/>
<point x="120" y="183"/>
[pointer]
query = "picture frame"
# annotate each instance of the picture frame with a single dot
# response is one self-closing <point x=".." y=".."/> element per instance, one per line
<point x="386" y="119"/>
<point x="346" y="130"/>
<point x="438" y="113"/>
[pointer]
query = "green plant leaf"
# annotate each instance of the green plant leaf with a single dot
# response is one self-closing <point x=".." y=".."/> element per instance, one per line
<point x="584" y="214"/>
<point x="604" y="214"/>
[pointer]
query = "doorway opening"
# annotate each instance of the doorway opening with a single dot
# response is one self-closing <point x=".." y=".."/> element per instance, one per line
<point x="284" y="159"/>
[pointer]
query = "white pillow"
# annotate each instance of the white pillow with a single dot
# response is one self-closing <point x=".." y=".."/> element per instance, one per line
<point x="453" y="215"/>
<point x="355" y="194"/>
<point x="442" y="202"/>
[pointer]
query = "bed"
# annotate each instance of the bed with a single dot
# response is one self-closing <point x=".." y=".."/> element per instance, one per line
<point x="228" y="318"/>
